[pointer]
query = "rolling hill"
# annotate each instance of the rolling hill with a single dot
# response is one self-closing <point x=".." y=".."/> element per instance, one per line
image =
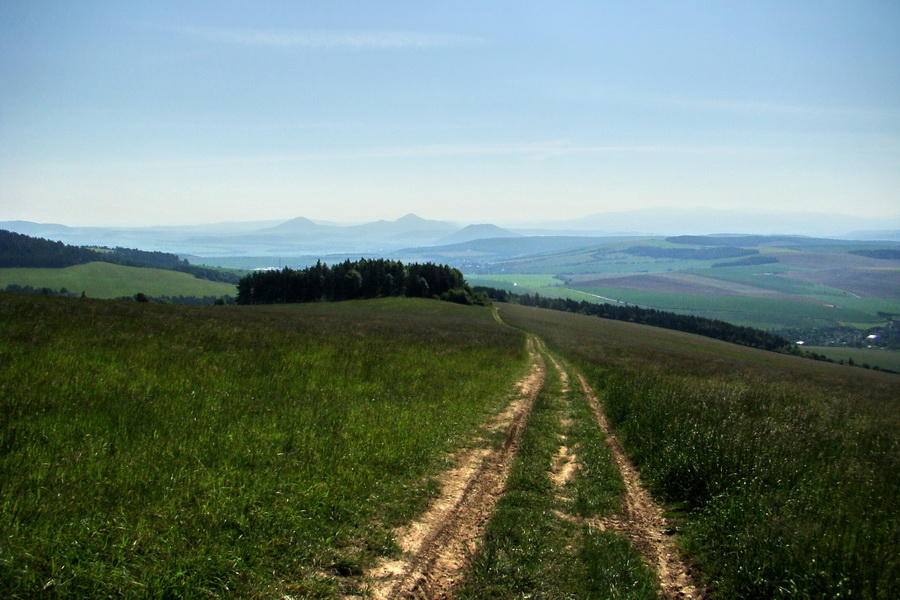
<point x="476" y="232"/>
<point x="288" y="450"/>
<point x="481" y="254"/>
<point x="774" y="283"/>
<point x="293" y="237"/>
<point x="105" y="280"/>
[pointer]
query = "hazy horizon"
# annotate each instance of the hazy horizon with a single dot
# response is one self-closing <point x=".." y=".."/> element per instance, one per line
<point x="660" y="221"/>
<point x="137" y="114"/>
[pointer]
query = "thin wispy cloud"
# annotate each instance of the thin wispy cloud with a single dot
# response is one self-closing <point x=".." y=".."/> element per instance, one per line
<point x="330" y="39"/>
<point x="600" y="94"/>
<point x="773" y="108"/>
<point x="536" y="150"/>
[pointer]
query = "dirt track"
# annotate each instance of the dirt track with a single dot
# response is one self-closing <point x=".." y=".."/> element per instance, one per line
<point x="436" y="546"/>
<point x="642" y="519"/>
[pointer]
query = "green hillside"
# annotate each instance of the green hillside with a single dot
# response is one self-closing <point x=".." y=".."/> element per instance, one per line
<point x="785" y="471"/>
<point x="23" y="251"/>
<point x="271" y="451"/>
<point x="106" y="280"/>
<point x="160" y="451"/>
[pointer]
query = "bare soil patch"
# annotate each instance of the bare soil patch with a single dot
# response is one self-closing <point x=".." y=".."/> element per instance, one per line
<point x="642" y="520"/>
<point x="565" y="462"/>
<point x="565" y="465"/>
<point x="437" y="545"/>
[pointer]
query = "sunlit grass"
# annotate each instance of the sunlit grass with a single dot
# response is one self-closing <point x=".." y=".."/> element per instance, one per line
<point x="155" y="451"/>
<point x="106" y="280"/>
<point x="534" y="547"/>
<point x="790" y="493"/>
<point x="787" y="472"/>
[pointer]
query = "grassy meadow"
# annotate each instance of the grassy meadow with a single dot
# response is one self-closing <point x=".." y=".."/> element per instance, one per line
<point x="268" y="451"/>
<point x="784" y="473"/>
<point x="106" y="280"/>
<point x="263" y="452"/>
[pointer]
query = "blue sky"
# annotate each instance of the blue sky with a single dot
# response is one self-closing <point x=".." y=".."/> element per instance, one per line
<point x="135" y="113"/>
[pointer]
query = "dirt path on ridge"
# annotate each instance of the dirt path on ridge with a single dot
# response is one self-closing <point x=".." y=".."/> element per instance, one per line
<point x="437" y="545"/>
<point x="642" y="519"/>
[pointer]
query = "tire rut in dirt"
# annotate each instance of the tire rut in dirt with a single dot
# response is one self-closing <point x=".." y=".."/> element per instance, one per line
<point x="642" y="519"/>
<point x="438" y="545"/>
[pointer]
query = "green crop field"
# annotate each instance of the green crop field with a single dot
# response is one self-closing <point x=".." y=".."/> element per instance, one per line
<point x="785" y="472"/>
<point x="807" y="305"/>
<point x="590" y="261"/>
<point x="163" y="451"/>
<point x="765" y="313"/>
<point x="520" y="283"/>
<point x="873" y="357"/>
<point x="105" y="280"/>
<point x="799" y="285"/>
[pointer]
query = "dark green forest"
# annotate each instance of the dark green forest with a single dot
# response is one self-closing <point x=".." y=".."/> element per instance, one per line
<point x="19" y="250"/>
<point x="878" y="253"/>
<point x="350" y="280"/>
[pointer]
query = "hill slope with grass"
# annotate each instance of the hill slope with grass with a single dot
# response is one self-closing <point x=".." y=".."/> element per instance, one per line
<point x="23" y="251"/>
<point x="107" y="280"/>
<point x="785" y="471"/>
<point x="154" y="450"/>
<point x="272" y="450"/>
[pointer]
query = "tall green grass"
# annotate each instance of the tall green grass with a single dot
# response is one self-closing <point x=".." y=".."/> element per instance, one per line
<point x="533" y="546"/>
<point x="791" y="494"/>
<point x="160" y="451"/>
<point x="787" y="471"/>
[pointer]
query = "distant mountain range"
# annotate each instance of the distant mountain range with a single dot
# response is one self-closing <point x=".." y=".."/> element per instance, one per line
<point x="302" y="236"/>
<point x="706" y="221"/>
<point x="262" y="238"/>
<point x="471" y="233"/>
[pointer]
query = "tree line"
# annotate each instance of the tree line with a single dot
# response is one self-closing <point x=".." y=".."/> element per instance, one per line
<point x="712" y="328"/>
<point x="20" y="250"/>
<point x="350" y="280"/>
<point x="879" y="253"/>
